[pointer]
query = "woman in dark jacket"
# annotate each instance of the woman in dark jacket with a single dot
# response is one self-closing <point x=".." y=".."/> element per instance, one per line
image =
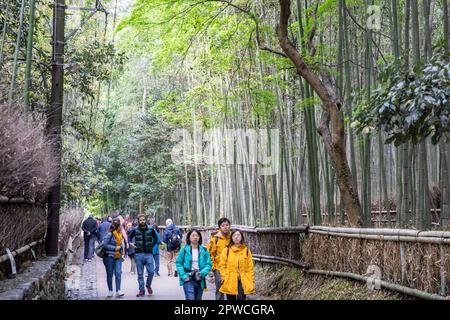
<point x="114" y="245"/>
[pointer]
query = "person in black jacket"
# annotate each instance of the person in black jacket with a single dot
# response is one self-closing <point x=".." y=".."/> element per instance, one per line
<point x="142" y="239"/>
<point x="89" y="227"/>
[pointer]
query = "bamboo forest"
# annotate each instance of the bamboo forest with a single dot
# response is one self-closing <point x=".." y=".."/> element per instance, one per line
<point x="320" y="129"/>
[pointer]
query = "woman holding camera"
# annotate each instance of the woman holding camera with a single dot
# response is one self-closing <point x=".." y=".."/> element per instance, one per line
<point x="193" y="265"/>
<point x="236" y="268"/>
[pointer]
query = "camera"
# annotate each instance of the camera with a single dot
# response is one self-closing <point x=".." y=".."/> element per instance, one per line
<point x="195" y="275"/>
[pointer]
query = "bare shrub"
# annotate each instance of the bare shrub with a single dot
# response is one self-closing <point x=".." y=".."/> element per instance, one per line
<point x="22" y="224"/>
<point x="27" y="161"/>
<point x="69" y="225"/>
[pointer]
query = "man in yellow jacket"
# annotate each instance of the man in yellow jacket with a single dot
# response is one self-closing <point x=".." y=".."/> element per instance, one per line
<point x="236" y="268"/>
<point x="219" y="240"/>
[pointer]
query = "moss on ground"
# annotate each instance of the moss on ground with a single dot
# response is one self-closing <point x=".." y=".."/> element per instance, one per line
<point x="288" y="283"/>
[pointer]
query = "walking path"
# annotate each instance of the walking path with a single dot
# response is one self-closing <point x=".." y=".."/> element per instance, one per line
<point x="91" y="280"/>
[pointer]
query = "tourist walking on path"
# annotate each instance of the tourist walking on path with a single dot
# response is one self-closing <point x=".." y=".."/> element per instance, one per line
<point x="172" y="237"/>
<point x="193" y="264"/>
<point x="219" y="240"/>
<point x="236" y="268"/>
<point x="114" y="245"/>
<point x="131" y="251"/>
<point x="143" y="238"/>
<point x="116" y="214"/>
<point x="89" y="227"/>
<point x="156" y="249"/>
<point x="103" y="229"/>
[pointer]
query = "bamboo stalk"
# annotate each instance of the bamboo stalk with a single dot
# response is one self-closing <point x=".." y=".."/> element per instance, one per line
<point x="271" y="261"/>
<point x="386" y="238"/>
<point x="384" y="231"/>
<point x="281" y="260"/>
<point x="384" y="284"/>
<point x="16" y="54"/>
<point x="29" y="57"/>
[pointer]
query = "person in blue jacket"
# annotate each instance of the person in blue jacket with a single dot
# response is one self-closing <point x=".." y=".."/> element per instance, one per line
<point x="103" y="229"/>
<point x="193" y="265"/>
<point x="156" y="249"/>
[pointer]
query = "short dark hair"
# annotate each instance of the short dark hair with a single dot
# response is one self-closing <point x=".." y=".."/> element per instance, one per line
<point x="142" y="216"/>
<point x="231" y="237"/>
<point x="222" y="220"/>
<point x="188" y="240"/>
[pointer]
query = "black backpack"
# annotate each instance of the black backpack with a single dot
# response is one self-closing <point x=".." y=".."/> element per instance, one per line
<point x="174" y="239"/>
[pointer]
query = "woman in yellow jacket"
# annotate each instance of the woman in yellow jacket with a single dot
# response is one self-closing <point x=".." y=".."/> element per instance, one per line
<point x="236" y="268"/>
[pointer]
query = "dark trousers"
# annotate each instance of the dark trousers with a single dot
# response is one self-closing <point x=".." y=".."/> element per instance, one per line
<point x="239" y="296"/>
<point x="218" y="282"/>
<point x="156" y="257"/>
<point x="89" y="243"/>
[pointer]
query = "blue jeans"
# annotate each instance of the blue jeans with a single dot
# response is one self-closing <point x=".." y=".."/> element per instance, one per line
<point x="89" y="243"/>
<point x="113" y="266"/>
<point x="156" y="257"/>
<point x="144" y="259"/>
<point x="193" y="290"/>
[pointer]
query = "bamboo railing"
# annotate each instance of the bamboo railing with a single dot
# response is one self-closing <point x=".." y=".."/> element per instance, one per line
<point x="412" y="262"/>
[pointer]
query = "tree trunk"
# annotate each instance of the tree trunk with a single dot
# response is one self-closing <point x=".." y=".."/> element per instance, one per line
<point x="445" y="178"/>
<point x="333" y="137"/>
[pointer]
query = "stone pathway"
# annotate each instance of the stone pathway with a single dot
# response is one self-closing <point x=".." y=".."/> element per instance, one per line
<point x="87" y="281"/>
<point x="164" y="287"/>
<point x="81" y="283"/>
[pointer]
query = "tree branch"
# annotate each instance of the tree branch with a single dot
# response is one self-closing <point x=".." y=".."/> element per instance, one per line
<point x="257" y="33"/>
<point x="365" y="30"/>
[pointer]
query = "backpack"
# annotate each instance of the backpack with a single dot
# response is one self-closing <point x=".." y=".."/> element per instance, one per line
<point x="174" y="239"/>
<point x="100" y="251"/>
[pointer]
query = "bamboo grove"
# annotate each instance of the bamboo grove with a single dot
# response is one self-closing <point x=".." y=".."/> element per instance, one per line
<point x="312" y="77"/>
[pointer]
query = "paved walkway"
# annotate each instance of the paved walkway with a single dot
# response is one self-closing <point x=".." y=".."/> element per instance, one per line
<point x="164" y="287"/>
<point x="81" y="283"/>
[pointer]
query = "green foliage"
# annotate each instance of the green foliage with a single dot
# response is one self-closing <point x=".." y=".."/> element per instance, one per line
<point x="411" y="107"/>
<point x="94" y="63"/>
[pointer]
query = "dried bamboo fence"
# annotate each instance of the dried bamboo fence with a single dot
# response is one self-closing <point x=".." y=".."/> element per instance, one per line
<point x="23" y="222"/>
<point x="23" y="232"/>
<point x="413" y="262"/>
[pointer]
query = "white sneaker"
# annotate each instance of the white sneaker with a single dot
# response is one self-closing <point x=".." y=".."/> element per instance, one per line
<point x="110" y="294"/>
<point x="119" y="294"/>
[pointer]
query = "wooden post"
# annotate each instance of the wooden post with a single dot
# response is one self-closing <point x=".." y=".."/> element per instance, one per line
<point x="54" y="123"/>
